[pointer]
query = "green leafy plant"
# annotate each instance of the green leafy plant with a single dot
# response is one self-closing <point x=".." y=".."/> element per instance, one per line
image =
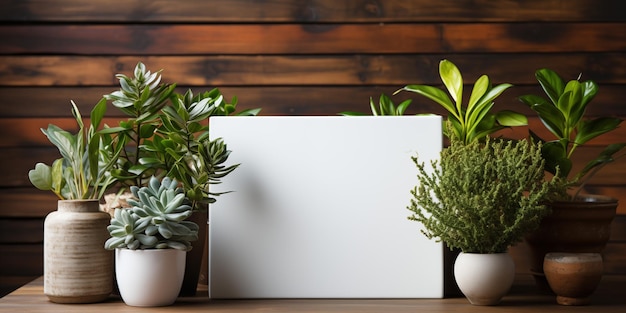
<point x="475" y="120"/>
<point x="141" y="98"/>
<point x="156" y="219"/>
<point x="166" y="134"/>
<point x="386" y="106"/>
<point x="82" y="170"/>
<point x="481" y="197"/>
<point x="563" y="114"/>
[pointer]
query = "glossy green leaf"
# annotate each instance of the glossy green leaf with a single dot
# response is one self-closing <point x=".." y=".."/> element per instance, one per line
<point x="570" y="103"/>
<point x="452" y="79"/>
<point x="551" y="83"/>
<point x="605" y="157"/>
<point x="556" y="157"/>
<point x="593" y="128"/>
<point x="478" y="91"/>
<point x="434" y="94"/>
<point x="552" y="118"/>
<point x="510" y="118"/>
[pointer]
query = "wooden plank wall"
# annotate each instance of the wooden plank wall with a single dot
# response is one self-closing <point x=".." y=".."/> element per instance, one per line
<point x="298" y="57"/>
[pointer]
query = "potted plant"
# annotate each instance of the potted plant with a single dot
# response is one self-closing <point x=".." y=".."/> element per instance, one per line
<point x="166" y="134"/>
<point x="151" y="240"/>
<point x="77" y="230"/>
<point x="481" y="197"/>
<point x="579" y="222"/>
<point x="484" y="194"/>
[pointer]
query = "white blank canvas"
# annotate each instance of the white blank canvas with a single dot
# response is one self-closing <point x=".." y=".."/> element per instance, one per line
<point x="319" y="209"/>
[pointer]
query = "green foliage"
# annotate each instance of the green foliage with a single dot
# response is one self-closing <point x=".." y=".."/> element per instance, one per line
<point x="385" y="107"/>
<point x="563" y="115"/>
<point x="481" y="197"/>
<point x="166" y="134"/>
<point x="82" y="172"/>
<point x="156" y="220"/>
<point x="475" y="120"/>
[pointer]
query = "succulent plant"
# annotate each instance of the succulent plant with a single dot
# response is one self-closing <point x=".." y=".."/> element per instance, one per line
<point x="156" y="219"/>
<point x="167" y="134"/>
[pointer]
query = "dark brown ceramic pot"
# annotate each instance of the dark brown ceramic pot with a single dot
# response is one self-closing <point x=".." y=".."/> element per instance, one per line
<point x="193" y="262"/>
<point x="581" y="226"/>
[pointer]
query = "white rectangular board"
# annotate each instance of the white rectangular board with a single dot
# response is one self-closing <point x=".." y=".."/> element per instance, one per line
<point x="319" y="208"/>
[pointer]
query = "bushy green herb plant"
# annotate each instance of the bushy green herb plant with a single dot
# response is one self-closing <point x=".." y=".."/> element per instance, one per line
<point x="563" y="114"/>
<point x="475" y="120"/>
<point x="481" y="197"/>
<point x="82" y="172"/>
<point x="156" y="220"/>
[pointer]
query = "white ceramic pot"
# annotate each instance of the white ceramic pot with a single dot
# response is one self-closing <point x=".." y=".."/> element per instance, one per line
<point x="150" y="277"/>
<point x="484" y="278"/>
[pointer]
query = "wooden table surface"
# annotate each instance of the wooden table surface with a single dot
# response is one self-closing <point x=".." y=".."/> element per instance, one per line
<point x="523" y="297"/>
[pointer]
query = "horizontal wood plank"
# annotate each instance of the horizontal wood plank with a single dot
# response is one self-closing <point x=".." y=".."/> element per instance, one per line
<point x="26" y="202"/>
<point x="53" y="102"/>
<point x="21" y="230"/>
<point x="25" y="132"/>
<point x="308" y="11"/>
<point x="250" y="39"/>
<point x="25" y="260"/>
<point x="319" y="70"/>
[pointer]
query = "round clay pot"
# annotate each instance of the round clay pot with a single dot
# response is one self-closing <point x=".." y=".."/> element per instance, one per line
<point x="484" y="278"/>
<point x="581" y="226"/>
<point x="573" y="276"/>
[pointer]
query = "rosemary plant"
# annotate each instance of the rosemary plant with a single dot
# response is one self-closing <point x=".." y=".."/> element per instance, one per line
<point x="481" y="197"/>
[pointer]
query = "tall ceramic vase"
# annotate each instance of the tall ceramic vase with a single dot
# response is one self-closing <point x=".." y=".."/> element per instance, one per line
<point x="77" y="268"/>
<point x="484" y="278"/>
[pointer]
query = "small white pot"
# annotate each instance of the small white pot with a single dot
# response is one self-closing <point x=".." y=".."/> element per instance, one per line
<point x="149" y="277"/>
<point x="484" y="278"/>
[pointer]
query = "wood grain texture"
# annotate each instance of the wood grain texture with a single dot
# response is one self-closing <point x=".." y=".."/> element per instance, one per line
<point x="53" y="102"/>
<point x="523" y="297"/>
<point x="26" y="259"/>
<point x="318" y="70"/>
<point x="352" y="11"/>
<point x="27" y="230"/>
<point x="311" y="39"/>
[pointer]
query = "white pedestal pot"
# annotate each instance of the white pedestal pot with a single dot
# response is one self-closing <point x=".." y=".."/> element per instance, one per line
<point x="151" y="277"/>
<point x="484" y="278"/>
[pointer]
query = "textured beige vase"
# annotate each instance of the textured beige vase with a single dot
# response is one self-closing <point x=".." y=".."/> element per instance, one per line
<point x="77" y="268"/>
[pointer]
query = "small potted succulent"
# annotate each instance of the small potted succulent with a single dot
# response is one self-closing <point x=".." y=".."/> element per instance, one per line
<point x="166" y="134"/>
<point x="151" y="240"/>
<point x="579" y="222"/>
<point x="77" y="229"/>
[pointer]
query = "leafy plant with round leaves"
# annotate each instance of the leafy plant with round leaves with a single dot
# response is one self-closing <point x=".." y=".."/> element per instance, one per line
<point x="475" y="120"/>
<point x="156" y="220"/>
<point x="563" y="114"/>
